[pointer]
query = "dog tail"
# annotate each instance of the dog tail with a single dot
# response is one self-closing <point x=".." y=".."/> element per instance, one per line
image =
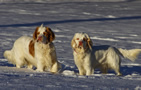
<point x="130" y="54"/>
<point x="9" y="55"/>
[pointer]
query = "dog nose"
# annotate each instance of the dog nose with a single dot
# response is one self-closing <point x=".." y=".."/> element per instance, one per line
<point x="80" y="43"/>
<point x="39" y="38"/>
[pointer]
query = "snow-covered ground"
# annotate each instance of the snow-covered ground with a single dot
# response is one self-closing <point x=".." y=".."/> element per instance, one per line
<point x="108" y="22"/>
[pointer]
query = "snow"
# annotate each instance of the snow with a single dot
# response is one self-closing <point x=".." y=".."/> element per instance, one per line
<point x="108" y="22"/>
<point x="106" y="39"/>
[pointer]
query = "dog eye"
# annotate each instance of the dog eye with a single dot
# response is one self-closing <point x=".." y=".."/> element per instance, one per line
<point x="77" y="38"/>
<point x="45" y="33"/>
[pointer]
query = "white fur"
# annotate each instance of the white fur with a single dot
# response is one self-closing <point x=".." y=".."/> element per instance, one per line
<point x="103" y="57"/>
<point x="19" y="54"/>
<point x="44" y="59"/>
<point x="82" y="56"/>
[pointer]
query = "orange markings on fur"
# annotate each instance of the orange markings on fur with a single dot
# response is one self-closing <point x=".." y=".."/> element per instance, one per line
<point x="31" y="48"/>
<point x="35" y="33"/>
<point x="50" y="34"/>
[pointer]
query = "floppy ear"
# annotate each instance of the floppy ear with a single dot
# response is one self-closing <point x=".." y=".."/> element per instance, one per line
<point x="51" y="34"/>
<point x="89" y="41"/>
<point x="35" y="33"/>
<point x="72" y="43"/>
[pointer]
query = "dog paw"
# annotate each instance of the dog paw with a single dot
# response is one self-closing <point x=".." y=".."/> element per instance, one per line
<point x="30" y="66"/>
<point x="18" y="66"/>
<point x="39" y="70"/>
<point x="119" y="74"/>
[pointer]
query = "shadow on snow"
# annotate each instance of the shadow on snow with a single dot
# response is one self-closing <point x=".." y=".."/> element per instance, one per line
<point x="72" y="21"/>
<point x="125" y="70"/>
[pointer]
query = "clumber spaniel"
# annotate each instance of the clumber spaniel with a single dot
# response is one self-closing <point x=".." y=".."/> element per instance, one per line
<point x="88" y="57"/>
<point x="38" y="51"/>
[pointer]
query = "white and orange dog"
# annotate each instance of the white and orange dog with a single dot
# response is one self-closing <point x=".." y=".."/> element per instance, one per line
<point x="88" y="57"/>
<point x="38" y="51"/>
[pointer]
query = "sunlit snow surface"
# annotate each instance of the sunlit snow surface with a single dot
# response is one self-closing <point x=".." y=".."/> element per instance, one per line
<point x="108" y="22"/>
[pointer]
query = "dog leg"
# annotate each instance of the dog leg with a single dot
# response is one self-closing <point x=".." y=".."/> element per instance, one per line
<point x="89" y="72"/>
<point x="19" y="62"/>
<point x="40" y="67"/>
<point x="29" y="66"/>
<point x="55" y="68"/>
<point x="104" y="68"/>
<point x="118" y="73"/>
<point x="104" y="71"/>
<point x="18" y="66"/>
<point x="117" y="70"/>
<point x="82" y="71"/>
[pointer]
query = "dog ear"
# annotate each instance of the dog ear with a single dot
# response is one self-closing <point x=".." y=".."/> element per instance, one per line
<point x="51" y="34"/>
<point x="89" y="41"/>
<point x="73" y="42"/>
<point x="35" y="33"/>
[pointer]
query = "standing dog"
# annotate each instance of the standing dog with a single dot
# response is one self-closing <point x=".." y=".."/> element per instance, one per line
<point x="88" y="57"/>
<point x="38" y="51"/>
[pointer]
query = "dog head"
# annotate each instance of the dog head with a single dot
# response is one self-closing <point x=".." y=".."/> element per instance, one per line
<point x="43" y="34"/>
<point x="81" y="42"/>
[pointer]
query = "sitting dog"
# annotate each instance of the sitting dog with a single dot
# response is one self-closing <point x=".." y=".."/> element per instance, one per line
<point x="88" y="57"/>
<point x="38" y="51"/>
